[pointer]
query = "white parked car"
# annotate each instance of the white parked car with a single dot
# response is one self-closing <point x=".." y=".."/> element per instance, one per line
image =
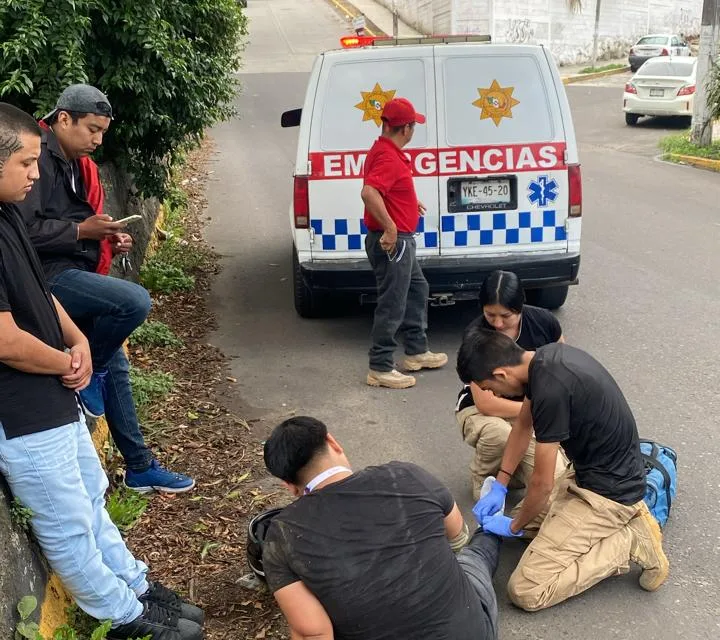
<point x="656" y="44"/>
<point x="661" y="87"/>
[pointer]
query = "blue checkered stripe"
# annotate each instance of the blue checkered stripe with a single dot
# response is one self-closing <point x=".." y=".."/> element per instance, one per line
<point x="342" y="234"/>
<point x="494" y="228"/>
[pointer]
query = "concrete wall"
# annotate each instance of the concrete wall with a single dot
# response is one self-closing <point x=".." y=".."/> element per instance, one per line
<point x="551" y="23"/>
<point x="23" y="570"/>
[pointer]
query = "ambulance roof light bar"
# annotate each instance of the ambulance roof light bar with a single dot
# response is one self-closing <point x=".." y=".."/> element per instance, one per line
<point x="351" y="42"/>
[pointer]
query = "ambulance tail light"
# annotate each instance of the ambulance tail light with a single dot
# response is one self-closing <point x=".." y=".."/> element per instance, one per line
<point x="575" y="191"/>
<point x="301" y="203"/>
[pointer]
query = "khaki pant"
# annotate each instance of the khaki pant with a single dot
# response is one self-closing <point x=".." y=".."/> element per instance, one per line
<point x="488" y="436"/>
<point x="583" y="540"/>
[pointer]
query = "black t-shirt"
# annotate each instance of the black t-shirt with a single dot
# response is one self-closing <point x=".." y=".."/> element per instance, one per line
<point x="29" y="402"/>
<point x="538" y="327"/>
<point x="576" y="402"/>
<point x="372" y="549"/>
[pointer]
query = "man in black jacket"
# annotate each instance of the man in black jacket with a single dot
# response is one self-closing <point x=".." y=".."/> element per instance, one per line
<point x="46" y="453"/>
<point x="76" y="244"/>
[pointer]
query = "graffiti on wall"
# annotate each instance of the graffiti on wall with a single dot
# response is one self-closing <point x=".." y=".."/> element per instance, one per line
<point x="519" y="31"/>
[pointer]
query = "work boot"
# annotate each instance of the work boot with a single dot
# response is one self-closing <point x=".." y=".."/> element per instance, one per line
<point x="427" y="360"/>
<point x="167" y="598"/>
<point x="390" y="379"/>
<point x="158" y="623"/>
<point x="646" y="549"/>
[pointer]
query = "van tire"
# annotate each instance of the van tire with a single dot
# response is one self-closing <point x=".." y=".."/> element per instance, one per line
<point x="631" y="119"/>
<point x="548" y="298"/>
<point x="307" y="303"/>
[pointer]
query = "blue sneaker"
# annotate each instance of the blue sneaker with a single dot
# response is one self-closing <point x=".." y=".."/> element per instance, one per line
<point x="92" y="397"/>
<point x="157" y="478"/>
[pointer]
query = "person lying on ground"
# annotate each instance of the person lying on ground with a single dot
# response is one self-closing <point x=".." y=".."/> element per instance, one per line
<point x="484" y="418"/>
<point x="368" y="555"/>
<point x="76" y="243"/>
<point x="46" y="453"/>
<point x="593" y="518"/>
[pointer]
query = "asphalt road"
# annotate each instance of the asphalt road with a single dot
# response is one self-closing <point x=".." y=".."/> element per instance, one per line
<point x="647" y="306"/>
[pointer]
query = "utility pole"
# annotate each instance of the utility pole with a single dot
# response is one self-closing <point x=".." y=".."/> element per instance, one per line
<point x="701" y="133"/>
<point x="598" y="3"/>
<point x="395" y="19"/>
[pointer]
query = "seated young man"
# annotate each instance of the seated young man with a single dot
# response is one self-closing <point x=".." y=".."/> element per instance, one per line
<point x="368" y="555"/>
<point x="76" y="244"/>
<point x="597" y="521"/>
<point x="46" y="453"/>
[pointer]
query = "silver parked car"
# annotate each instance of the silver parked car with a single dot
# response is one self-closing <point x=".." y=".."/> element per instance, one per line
<point x="657" y="44"/>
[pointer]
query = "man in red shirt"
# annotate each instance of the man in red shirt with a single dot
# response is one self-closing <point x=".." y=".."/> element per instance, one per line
<point x="392" y="211"/>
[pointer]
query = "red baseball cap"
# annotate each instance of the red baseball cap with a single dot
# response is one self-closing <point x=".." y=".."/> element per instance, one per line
<point x="400" y="111"/>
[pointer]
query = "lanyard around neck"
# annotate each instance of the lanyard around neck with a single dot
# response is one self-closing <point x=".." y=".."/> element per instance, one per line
<point x="321" y="477"/>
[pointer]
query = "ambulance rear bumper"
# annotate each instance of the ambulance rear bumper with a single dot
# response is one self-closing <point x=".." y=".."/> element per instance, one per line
<point x="459" y="276"/>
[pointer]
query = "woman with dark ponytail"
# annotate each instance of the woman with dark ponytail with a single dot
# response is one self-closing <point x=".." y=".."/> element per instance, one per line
<point x="484" y="418"/>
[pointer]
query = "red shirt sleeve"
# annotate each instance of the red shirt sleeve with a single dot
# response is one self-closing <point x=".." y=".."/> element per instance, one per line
<point x="380" y="173"/>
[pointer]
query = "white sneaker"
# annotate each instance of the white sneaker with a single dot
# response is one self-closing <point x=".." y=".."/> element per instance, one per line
<point x="390" y="379"/>
<point x="427" y="360"/>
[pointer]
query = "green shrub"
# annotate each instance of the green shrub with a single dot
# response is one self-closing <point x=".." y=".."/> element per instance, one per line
<point x="150" y="386"/>
<point x="160" y="276"/>
<point x="168" y="67"/>
<point x="155" y="334"/>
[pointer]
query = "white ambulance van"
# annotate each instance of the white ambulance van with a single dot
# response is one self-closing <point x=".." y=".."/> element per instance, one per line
<point x="496" y="165"/>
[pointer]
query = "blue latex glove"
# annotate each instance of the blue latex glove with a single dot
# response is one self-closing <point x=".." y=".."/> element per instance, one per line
<point x="490" y="503"/>
<point x="500" y="526"/>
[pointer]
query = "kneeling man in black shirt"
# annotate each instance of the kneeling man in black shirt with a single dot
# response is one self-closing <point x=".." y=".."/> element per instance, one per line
<point x="597" y="521"/>
<point x="368" y="555"/>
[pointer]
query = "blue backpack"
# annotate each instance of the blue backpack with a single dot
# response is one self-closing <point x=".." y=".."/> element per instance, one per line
<point x="661" y="476"/>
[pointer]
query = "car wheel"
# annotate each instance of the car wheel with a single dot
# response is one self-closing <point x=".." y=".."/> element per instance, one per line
<point x="548" y="298"/>
<point x="631" y="119"/>
<point x="308" y="304"/>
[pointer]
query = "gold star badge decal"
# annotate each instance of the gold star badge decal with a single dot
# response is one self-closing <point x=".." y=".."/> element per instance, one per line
<point x="496" y="102"/>
<point x="373" y="103"/>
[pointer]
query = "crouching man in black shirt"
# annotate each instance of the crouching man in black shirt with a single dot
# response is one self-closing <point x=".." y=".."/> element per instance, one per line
<point x="46" y="453"/>
<point x="597" y="521"/>
<point x="368" y="555"/>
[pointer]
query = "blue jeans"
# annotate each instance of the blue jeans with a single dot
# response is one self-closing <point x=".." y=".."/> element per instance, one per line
<point x="108" y="310"/>
<point x="57" y="474"/>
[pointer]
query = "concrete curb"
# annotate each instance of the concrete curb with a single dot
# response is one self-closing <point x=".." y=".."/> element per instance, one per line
<point x="591" y="76"/>
<point x="700" y="163"/>
<point x="351" y="12"/>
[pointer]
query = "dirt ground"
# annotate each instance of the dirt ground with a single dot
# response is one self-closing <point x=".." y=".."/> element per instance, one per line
<point x="195" y="542"/>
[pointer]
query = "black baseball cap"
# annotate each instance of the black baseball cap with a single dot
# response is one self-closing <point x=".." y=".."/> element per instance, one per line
<point x="82" y="98"/>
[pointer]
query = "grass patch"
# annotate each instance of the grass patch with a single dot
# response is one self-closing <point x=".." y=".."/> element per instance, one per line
<point x="154" y="334"/>
<point x="158" y="276"/>
<point x="607" y="67"/>
<point x="125" y="507"/>
<point x="680" y="144"/>
<point x="150" y="386"/>
<point x="20" y="514"/>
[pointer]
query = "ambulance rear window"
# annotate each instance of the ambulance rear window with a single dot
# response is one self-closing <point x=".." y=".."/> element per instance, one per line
<point x="496" y="99"/>
<point x="357" y="91"/>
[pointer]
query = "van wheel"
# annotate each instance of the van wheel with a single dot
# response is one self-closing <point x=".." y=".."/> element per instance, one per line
<point x="307" y="303"/>
<point x="548" y="298"/>
<point x="631" y="119"/>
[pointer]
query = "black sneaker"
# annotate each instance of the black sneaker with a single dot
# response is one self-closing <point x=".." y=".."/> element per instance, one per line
<point x="158" y="623"/>
<point x="170" y="600"/>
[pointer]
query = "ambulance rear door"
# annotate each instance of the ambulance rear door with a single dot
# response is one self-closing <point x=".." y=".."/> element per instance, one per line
<point x="353" y="87"/>
<point x="501" y="152"/>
